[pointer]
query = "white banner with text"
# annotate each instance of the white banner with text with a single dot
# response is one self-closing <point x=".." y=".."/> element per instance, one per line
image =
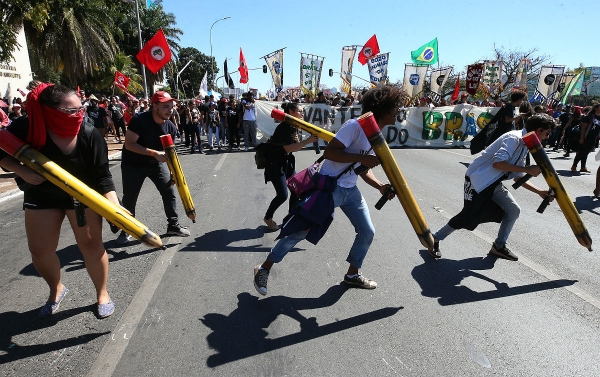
<point x="439" y="127"/>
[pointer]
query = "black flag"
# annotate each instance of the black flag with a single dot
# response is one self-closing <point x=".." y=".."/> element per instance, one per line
<point x="230" y="83"/>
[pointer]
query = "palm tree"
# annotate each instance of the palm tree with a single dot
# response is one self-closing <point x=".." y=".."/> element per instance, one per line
<point x="76" y="39"/>
<point x="151" y="20"/>
<point x="126" y="65"/>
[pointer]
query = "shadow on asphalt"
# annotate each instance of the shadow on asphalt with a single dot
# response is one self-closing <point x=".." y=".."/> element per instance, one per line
<point x="242" y="334"/>
<point x="442" y="278"/>
<point x="14" y="324"/>
<point x="567" y="173"/>
<point x="72" y="258"/>
<point x="587" y="203"/>
<point x="222" y="239"/>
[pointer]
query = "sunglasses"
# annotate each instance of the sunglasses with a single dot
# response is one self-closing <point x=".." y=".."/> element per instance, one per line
<point x="74" y="111"/>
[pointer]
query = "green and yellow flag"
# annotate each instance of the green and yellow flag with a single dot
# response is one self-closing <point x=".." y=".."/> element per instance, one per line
<point x="426" y="54"/>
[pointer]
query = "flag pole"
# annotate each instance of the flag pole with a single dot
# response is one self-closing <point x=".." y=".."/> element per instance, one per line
<point x="137" y="13"/>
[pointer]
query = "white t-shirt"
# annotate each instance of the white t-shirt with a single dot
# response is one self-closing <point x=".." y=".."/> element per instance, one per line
<point x="355" y="140"/>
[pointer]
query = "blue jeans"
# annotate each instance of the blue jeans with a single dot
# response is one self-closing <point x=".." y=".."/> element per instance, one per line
<point x="195" y="132"/>
<point x="354" y="206"/>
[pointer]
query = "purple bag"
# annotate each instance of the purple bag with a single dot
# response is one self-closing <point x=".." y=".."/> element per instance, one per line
<point x="302" y="182"/>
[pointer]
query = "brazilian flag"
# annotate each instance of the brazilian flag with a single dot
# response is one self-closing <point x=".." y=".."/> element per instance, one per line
<point x="426" y="54"/>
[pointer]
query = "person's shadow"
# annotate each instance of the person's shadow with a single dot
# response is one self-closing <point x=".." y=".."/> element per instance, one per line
<point x="223" y="240"/>
<point x="14" y="324"/>
<point x="587" y="203"/>
<point x="71" y="257"/>
<point x="242" y="334"/>
<point x="442" y="279"/>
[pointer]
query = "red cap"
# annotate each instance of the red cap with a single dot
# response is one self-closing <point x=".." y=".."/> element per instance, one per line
<point x="161" y="97"/>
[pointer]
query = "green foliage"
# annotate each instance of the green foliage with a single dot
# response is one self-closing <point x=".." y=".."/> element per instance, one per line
<point x="192" y="76"/>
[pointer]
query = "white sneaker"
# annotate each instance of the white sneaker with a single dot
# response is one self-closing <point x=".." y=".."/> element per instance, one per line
<point x="123" y="238"/>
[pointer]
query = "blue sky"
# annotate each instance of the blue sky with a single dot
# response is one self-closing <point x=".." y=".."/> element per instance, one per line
<point x="466" y="30"/>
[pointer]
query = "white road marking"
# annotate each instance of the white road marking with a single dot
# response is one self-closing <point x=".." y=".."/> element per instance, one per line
<point x="581" y="293"/>
<point x="221" y="161"/>
<point x="111" y="353"/>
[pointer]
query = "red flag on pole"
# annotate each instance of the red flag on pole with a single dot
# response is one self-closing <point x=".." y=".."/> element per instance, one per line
<point x="121" y="81"/>
<point x="156" y="53"/>
<point x="243" y="68"/>
<point x="456" y="89"/>
<point x="370" y="49"/>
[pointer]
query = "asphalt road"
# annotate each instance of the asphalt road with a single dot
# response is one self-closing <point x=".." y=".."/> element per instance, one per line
<point x="192" y="310"/>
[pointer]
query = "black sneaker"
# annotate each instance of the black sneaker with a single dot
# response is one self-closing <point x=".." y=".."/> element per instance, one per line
<point x="503" y="252"/>
<point x="435" y="253"/>
<point x="360" y="281"/>
<point x="177" y="230"/>
<point x="260" y="280"/>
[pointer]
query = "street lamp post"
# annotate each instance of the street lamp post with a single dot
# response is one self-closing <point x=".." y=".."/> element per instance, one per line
<point x="212" y="60"/>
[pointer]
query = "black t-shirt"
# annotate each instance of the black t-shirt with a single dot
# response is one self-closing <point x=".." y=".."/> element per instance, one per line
<point x="508" y="111"/>
<point x="149" y="132"/>
<point x="233" y="115"/>
<point x="282" y="136"/>
<point x="593" y="122"/>
<point x="116" y="111"/>
<point x="88" y="162"/>
<point x="222" y="107"/>
<point x="96" y="115"/>
<point x="563" y="118"/>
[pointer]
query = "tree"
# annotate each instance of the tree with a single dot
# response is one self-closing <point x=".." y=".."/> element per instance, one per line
<point x="126" y="65"/>
<point x="151" y="20"/>
<point x="74" y="36"/>
<point x="510" y="63"/>
<point x="194" y="73"/>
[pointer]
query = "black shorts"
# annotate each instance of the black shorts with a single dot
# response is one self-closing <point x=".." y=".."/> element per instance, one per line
<point x="47" y="200"/>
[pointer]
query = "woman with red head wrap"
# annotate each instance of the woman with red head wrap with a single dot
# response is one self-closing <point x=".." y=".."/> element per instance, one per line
<point x="55" y="126"/>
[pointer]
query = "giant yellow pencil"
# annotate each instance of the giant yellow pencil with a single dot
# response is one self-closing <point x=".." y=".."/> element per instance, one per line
<point x="178" y="177"/>
<point x="299" y="123"/>
<point x="392" y="171"/>
<point x="77" y="189"/>
<point x="562" y="197"/>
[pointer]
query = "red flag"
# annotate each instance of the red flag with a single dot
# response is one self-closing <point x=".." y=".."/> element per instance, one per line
<point x="370" y="49"/>
<point x="121" y="81"/>
<point x="156" y="53"/>
<point x="243" y="68"/>
<point x="456" y="89"/>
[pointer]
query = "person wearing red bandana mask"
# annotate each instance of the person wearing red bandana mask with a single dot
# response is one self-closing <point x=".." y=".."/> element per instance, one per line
<point x="55" y="127"/>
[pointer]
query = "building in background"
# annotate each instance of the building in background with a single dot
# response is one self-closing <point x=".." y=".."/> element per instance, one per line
<point x="16" y="73"/>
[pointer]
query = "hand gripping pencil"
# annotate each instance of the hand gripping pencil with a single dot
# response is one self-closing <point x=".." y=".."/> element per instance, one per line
<point x="77" y="189"/>
<point x="178" y="177"/>
<point x="558" y="190"/>
<point x="393" y="173"/>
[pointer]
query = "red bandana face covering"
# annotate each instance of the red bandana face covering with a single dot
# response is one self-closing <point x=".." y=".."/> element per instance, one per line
<point x="43" y="118"/>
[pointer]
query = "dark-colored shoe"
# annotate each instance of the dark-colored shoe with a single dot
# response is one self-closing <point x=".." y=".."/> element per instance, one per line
<point x="360" y="281"/>
<point x="435" y="253"/>
<point x="51" y="307"/>
<point x="503" y="252"/>
<point x="177" y="230"/>
<point x="105" y="310"/>
<point x="123" y="238"/>
<point x="260" y="280"/>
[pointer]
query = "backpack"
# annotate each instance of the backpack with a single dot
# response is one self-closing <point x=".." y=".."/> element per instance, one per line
<point x="266" y="152"/>
<point x="488" y="134"/>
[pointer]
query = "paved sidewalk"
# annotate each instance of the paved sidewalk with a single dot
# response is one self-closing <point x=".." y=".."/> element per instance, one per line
<point x="8" y="188"/>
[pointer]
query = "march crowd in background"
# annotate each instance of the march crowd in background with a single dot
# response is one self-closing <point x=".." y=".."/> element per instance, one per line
<point x="224" y="123"/>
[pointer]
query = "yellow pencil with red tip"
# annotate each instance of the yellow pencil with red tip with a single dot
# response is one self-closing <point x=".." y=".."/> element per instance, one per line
<point x="77" y="189"/>
<point x="178" y="177"/>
